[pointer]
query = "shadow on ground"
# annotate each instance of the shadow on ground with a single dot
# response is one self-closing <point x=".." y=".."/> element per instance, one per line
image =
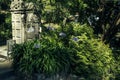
<point x="6" y="70"/>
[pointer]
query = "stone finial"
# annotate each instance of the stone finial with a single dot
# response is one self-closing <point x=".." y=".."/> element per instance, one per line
<point x="17" y="5"/>
<point x="29" y="6"/>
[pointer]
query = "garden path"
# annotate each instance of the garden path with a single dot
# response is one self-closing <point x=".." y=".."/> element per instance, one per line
<point x="3" y="53"/>
<point x="6" y="71"/>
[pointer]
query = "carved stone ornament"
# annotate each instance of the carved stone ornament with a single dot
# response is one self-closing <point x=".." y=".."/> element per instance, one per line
<point x="17" y="5"/>
<point x="29" y="6"/>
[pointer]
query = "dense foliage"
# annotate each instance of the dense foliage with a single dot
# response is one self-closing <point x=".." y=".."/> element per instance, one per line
<point x="103" y="16"/>
<point x="80" y="48"/>
<point x="5" y="21"/>
<point x="82" y="55"/>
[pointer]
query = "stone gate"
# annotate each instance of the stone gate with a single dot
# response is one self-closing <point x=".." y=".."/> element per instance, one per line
<point x="25" y="23"/>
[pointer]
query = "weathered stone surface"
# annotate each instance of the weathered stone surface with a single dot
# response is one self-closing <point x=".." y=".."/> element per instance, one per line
<point x="25" y="24"/>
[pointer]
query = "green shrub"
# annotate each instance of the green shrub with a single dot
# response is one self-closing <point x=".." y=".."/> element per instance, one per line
<point x="74" y="29"/>
<point x="23" y="62"/>
<point x="73" y="50"/>
<point x="46" y="56"/>
<point x="94" y="59"/>
<point x="54" y="57"/>
<point x="116" y="52"/>
<point x="5" y="27"/>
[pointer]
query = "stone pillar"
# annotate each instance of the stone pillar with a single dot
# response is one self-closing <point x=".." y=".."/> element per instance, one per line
<point x="32" y="22"/>
<point x="25" y="24"/>
<point x="17" y="13"/>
